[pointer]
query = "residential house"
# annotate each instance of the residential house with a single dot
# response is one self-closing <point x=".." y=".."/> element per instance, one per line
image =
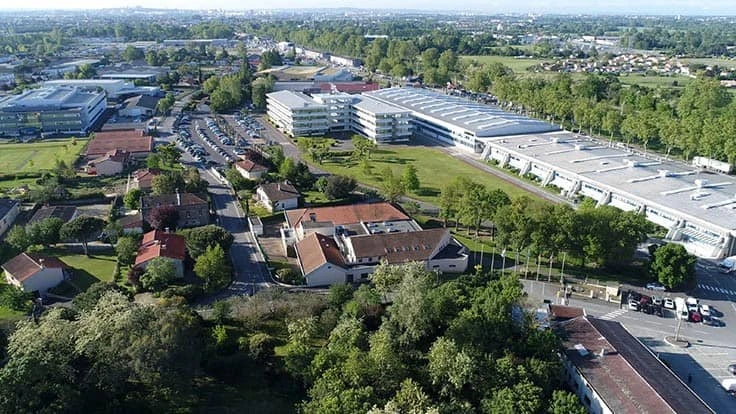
<point x="9" y="210"/>
<point x="143" y="178"/>
<point x="65" y="213"/>
<point x="141" y="106"/>
<point x="158" y="243"/>
<point x="278" y="196"/>
<point x="193" y="209"/>
<point x="611" y="371"/>
<point x="112" y="163"/>
<point x="132" y="223"/>
<point x="250" y="169"/>
<point x="344" y="244"/>
<point x="34" y="273"/>
<point x="132" y="141"/>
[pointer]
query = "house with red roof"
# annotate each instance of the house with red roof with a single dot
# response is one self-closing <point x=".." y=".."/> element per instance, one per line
<point x="158" y="243"/>
<point x="112" y="163"/>
<point x="34" y="273"/>
<point x="132" y="141"/>
<point x="143" y="178"/>
<point x="250" y="169"/>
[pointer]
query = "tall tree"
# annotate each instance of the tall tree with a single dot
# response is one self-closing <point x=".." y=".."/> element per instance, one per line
<point x="82" y="229"/>
<point x="213" y="267"/>
<point x="673" y="266"/>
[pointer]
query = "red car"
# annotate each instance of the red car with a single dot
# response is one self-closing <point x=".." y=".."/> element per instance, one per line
<point x="695" y="317"/>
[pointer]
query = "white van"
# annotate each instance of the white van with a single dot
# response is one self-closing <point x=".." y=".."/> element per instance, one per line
<point x="681" y="309"/>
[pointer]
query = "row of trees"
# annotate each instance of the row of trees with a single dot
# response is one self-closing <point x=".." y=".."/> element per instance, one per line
<point x="700" y="121"/>
<point x="82" y="229"/>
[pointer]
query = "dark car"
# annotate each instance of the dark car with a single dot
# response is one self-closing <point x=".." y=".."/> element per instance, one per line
<point x="732" y="369"/>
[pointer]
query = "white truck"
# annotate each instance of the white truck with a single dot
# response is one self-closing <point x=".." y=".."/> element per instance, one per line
<point x="681" y="309"/>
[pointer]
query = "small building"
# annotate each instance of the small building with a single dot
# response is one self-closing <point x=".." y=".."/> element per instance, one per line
<point x="158" y="243"/>
<point x="143" y="178"/>
<point x="65" y="213"/>
<point x="112" y="163"/>
<point x="141" y="106"/>
<point x="132" y="141"/>
<point x="256" y="225"/>
<point x="34" y="273"/>
<point x="250" y="169"/>
<point x="613" y="372"/>
<point x="132" y="223"/>
<point x="9" y="210"/>
<point x="278" y="196"/>
<point x="320" y="260"/>
<point x="193" y="209"/>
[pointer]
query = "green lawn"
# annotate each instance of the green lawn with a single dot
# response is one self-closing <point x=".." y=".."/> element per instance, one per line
<point x="36" y="156"/>
<point x="518" y="65"/>
<point x="724" y="63"/>
<point x="99" y="266"/>
<point x="434" y="168"/>
<point x="655" y="81"/>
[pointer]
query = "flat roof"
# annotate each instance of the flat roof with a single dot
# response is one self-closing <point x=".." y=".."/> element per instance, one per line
<point x="480" y="119"/>
<point x="294" y="100"/>
<point x="54" y="98"/>
<point x="374" y="106"/>
<point x="671" y="187"/>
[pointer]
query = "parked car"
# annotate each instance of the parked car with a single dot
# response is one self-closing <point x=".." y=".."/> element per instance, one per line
<point x="705" y="310"/>
<point x="633" y="305"/>
<point x="732" y="369"/>
<point x="695" y="316"/>
<point x="692" y="304"/>
<point x="668" y="303"/>
<point x="656" y="286"/>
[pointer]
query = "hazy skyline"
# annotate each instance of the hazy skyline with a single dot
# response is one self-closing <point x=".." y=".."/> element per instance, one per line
<point x="668" y="7"/>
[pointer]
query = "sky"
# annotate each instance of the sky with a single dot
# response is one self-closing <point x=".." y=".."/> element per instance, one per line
<point x="669" y="7"/>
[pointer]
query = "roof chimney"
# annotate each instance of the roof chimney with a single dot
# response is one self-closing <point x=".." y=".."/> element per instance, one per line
<point x="602" y="354"/>
<point x="40" y="262"/>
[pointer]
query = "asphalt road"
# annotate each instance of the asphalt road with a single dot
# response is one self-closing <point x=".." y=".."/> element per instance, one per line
<point x="712" y="348"/>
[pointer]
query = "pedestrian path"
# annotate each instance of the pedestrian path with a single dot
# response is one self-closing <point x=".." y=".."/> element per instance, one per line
<point x="716" y="289"/>
<point x="613" y="315"/>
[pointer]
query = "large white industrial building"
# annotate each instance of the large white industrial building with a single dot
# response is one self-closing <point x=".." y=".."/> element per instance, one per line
<point x="114" y="88"/>
<point x="697" y="207"/>
<point x="61" y="110"/>
<point x="298" y="114"/>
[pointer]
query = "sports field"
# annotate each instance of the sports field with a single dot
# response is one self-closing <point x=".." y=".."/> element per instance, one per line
<point x="15" y="158"/>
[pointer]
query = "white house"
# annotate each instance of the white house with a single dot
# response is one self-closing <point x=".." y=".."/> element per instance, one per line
<point x="112" y="163"/>
<point x="278" y="196"/>
<point x="141" y="106"/>
<point x="250" y="169"/>
<point x="9" y="210"/>
<point x="34" y="273"/>
<point x="320" y="260"/>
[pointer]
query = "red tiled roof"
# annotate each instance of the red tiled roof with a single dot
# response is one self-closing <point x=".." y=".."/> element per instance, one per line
<point x="561" y="313"/>
<point x="350" y="214"/>
<point x="145" y="176"/>
<point x="114" y="155"/>
<point x="130" y="140"/>
<point x="157" y="243"/>
<point x="399" y="247"/>
<point x="317" y="249"/>
<point x="251" y="166"/>
<point x="25" y="265"/>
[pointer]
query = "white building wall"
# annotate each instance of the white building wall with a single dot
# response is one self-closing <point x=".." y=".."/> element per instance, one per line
<point x="7" y="221"/>
<point x="42" y="281"/>
<point x="327" y="274"/>
<point x="108" y="167"/>
<point x="249" y="175"/>
<point x="585" y="392"/>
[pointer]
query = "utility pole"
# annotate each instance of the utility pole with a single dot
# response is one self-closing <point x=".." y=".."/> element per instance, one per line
<point x="503" y="262"/>
<point x="539" y="264"/>
<point x="549" y="276"/>
<point x="562" y="271"/>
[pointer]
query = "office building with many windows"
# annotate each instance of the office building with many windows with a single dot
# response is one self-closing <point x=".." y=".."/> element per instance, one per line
<point x="297" y="114"/>
<point x="60" y="110"/>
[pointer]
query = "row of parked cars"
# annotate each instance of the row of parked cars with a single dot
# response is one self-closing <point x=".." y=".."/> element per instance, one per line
<point x="689" y="309"/>
<point x="216" y="148"/>
<point x="250" y="125"/>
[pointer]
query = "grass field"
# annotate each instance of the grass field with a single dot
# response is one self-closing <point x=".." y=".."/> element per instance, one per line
<point x="518" y="65"/>
<point x="724" y="63"/>
<point x="655" y="81"/>
<point x="434" y="169"/>
<point x="99" y="266"/>
<point x="36" y="156"/>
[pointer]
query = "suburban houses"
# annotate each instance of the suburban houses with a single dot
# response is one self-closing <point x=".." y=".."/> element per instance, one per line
<point x="278" y="196"/>
<point x="34" y="273"/>
<point x="344" y="244"/>
<point x="159" y="243"/>
<point x="193" y="209"/>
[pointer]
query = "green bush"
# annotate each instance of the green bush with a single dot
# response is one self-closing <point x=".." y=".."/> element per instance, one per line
<point x="190" y="292"/>
<point x="287" y="275"/>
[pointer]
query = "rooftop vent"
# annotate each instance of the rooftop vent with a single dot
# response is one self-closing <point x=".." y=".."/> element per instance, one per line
<point x="631" y="163"/>
<point x="581" y="350"/>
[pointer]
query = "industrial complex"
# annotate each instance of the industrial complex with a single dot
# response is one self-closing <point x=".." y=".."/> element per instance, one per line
<point x="696" y="205"/>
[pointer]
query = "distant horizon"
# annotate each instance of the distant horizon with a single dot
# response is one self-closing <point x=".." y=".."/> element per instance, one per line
<point x="560" y="7"/>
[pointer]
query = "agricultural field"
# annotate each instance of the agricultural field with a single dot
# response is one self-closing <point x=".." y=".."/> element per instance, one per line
<point x="30" y="157"/>
<point x="518" y="65"/>
<point x="434" y="169"/>
<point x="724" y="63"/>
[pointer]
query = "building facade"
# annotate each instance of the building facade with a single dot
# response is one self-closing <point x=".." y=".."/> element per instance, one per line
<point x="9" y="210"/>
<point x="193" y="209"/>
<point x="61" y="110"/>
<point x="296" y="114"/>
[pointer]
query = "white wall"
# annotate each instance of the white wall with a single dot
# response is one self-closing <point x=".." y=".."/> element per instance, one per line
<point x="327" y="274"/>
<point x="249" y="175"/>
<point x="7" y="221"/>
<point x="108" y="167"/>
<point x="43" y="280"/>
<point x="585" y="392"/>
<point x="287" y="204"/>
